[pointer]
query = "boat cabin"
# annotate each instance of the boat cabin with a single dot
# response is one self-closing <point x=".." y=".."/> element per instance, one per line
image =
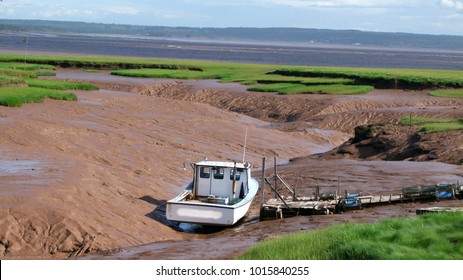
<point x="220" y="182"/>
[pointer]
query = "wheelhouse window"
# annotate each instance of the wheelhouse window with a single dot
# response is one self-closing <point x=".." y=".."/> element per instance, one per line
<point x="237" y="175"/>
<point x="205" y="172"/>
<point x="218" y="172"/>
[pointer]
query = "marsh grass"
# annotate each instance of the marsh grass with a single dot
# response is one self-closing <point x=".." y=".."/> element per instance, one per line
<point x="17" y="96"/>
<point x="45" y="73"/>
<point x="19" y="84"/>
<point x="383" y="78"/>
<point x="166" y="73"/>
<point x="432" y="125"/>
<point x="452" y="93"/>
<point x="247" y="76"/>
<point x="294" y="88"/>
<point x="436" y="236"/>
<point x="17" y="73"/>
<point x="8" y="81"/>
<point x="441" y="127"/>
<point x="59" y="85"/>
<point x="285" y="79"/>
<point x="25" y="66"/>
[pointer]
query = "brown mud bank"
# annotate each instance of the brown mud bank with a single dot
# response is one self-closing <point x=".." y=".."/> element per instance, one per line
<point x="92" y="176"/>
<point x="397" y="143"/>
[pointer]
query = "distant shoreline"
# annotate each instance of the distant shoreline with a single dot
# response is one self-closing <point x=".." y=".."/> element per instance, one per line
<point x="241" y="51"/>
<point x="320" y="37"/>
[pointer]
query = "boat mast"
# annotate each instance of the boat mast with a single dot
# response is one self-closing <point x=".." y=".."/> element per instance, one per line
<point x="245" y="140"/>
<point x="234" y="179"/>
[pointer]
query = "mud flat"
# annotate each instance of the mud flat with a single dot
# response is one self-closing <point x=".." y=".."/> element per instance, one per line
<point x="91" y="177"/>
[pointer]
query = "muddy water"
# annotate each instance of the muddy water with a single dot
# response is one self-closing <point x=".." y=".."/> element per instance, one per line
<point x="11" y="167"/>
<point x="22" y="173"/>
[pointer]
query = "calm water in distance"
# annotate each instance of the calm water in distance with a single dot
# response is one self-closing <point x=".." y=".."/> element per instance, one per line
<point x="266" y="53"/>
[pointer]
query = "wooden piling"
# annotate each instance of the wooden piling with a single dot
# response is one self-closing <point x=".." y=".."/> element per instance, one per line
<point x="262" y="184"/>
<point x="275" y="170"/>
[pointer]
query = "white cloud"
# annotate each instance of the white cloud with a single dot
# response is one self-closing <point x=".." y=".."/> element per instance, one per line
<point x="58" y="12"/>
<point x="121" y="10"/>
<point x="65" y="10"/>
<point x="457" y="5"/>
<point x="319" y="3"/>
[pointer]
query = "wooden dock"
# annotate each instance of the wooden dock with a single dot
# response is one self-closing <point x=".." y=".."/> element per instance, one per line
<point x="275" y="208"/>
<point x="282" y="207"/>
<point x="332" y="203"/>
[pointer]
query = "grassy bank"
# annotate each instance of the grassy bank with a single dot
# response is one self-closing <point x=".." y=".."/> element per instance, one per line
<point x="430" y="125"/>
<point x="59" y="85"/>
<point x="294" y="88"/>
<point x="431" y="237"/>
<point x="384" y="78"/>
<point x="20" y="83"/>
<point x="17" y="96"/>
<point x="259" y="77"/>
<point x="452" y="93"/>
<point x="8" y="81"/>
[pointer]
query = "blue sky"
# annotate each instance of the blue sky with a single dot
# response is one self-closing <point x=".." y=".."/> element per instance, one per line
<point x="414" y="16"/>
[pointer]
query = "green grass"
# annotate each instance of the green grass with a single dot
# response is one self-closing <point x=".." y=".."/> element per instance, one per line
<point x="290" y="88"/>
<point x="383" y="78"/>
<point x="22" y="70"/>
<point x="437" y="236"/>
<point x="225" y="72"/>
<point x="97" y="63"/>
<point x="8" y="81"/>
<point x="17" y="96"/>
<point x="45" y="73"/>
<point x="59" y="85"/>
<point x="452" y="93"/>
<point x="432" y="125"/>
<point x="248" y="74"/>
<point x="166" y="73"/>
<point x="25" y="66"/>
<point x="17" y="73"/>
<point x="260" y="77"/>
<point x="305" y="81"/>
<point x="19" y="84"/>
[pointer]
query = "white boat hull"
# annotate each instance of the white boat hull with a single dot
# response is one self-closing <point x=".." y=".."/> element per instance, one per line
<point x="191" y="211"/>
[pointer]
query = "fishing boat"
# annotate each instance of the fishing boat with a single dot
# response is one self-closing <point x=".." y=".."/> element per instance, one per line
<point x="220" y="194"/>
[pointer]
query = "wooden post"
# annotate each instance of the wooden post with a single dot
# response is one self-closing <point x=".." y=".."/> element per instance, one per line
<point x="275" y="169"/>
<point x="262" y="200"/>
<point x="278" y="195"/>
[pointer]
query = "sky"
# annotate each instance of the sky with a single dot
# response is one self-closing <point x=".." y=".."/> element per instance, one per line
<point x="410" y="16"/>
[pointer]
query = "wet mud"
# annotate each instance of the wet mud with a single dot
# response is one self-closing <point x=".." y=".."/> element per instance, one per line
<point x="90" y="179"/>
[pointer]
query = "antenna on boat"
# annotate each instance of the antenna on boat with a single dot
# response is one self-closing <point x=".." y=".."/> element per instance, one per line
<point x="245" y="140"/>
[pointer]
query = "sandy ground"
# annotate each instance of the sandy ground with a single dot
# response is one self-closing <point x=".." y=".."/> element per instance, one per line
<point x="90" y="178"/>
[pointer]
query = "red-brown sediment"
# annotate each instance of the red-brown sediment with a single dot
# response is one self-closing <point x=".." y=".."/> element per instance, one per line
<point x="93" y="175"/>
